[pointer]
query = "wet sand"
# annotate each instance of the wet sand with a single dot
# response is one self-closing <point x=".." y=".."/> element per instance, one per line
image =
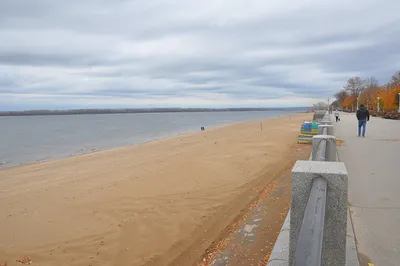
<point x="159" y="203"/>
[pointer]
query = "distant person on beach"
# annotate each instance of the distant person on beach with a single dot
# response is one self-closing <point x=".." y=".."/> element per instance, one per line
<point x="337" y="115"/>
<point x="363" y="117"/>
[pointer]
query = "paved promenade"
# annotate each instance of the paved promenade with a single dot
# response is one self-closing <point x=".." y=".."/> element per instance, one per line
<point x="373" y="164"/>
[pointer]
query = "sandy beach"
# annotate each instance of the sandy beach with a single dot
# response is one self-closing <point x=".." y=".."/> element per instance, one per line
<point x="150" y="204"/>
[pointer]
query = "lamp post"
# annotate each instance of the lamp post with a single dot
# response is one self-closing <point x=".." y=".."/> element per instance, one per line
<point x="357" y="103"/>
<point x="399" y="103"/>
<point x="329" y="107"/>
<point x="378" y="104"/>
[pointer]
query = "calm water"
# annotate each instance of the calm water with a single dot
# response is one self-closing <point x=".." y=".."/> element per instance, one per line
<point x="28" y="139"/>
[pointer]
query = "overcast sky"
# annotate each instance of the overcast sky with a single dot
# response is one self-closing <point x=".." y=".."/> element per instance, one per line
<point x="148" y="53"/>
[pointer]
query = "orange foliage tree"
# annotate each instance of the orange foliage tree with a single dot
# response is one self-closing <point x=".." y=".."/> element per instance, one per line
<point x="367" y="92"/>
<point x="396" y="91"/>
<point x="368" y="98"/>
<point x="349" y="102"/>
<point x="389" y="99"/>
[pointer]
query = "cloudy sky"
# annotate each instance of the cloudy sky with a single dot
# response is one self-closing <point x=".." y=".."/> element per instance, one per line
<point x="189" y="53"/>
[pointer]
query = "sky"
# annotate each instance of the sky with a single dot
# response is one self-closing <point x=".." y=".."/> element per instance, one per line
<point x="57" y="54"/>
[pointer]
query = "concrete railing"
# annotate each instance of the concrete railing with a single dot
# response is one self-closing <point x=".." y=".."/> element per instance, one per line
<point x="319" y="115"/>
<point x="314" y="232"/>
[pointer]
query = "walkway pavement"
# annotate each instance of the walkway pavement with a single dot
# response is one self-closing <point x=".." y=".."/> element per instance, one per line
<point x="373" y="164"/>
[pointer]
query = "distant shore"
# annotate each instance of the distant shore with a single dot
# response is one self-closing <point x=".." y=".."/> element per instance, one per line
<point x="137" y="111"/>
<point x="139" y="205"/>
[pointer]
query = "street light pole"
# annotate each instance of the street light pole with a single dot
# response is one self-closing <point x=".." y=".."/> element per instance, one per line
<point x="378" y="104"/>
<point x="399" y="103"/>
<point x="357" y="103"/>
<point x="329" y="108"/>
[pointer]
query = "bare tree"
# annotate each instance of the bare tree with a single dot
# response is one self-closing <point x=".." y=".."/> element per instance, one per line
<point x="355" y="86"/>
<point x="395" y="81"/>
<point x="340" y="96"/>
<point x="335" y="104"/>
<point x="371" y="82"/>
<point x="320" y="106"/>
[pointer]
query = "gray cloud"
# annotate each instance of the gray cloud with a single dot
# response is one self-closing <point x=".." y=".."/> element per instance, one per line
<point x="190" y="53"/>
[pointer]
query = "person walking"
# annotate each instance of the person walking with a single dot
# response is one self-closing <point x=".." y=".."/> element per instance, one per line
<point x="362" y="116"/>
<point x="337" y="115"/>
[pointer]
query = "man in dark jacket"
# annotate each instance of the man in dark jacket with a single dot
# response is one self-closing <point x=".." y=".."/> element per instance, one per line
<point x="363" y="117"/>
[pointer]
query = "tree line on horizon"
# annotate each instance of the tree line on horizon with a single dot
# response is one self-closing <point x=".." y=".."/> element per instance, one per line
<point x="367" y="91"/>
<point x="134" y="110"/>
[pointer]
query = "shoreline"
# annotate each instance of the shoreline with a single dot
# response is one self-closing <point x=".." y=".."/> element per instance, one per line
<point x="3" y="164"/>
<point x="159" y="203"/>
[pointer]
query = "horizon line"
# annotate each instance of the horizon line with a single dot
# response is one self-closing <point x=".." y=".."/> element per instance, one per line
<point x="138" y="110"/>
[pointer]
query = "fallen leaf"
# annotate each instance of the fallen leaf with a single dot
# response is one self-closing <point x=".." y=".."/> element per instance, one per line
<point x="25" y="260"/>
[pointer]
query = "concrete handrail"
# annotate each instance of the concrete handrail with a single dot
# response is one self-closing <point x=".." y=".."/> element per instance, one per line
<point x="311" y="242"/>
<point x="320" y="149"/>
<point x="309" y="245"/>
<point x="315" y="229"/>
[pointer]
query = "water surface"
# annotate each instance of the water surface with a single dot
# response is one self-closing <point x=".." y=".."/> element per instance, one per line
<point x="28" y="139"/>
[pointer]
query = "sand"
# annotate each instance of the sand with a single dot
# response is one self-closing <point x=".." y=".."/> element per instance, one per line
<point x="158" y="203"/>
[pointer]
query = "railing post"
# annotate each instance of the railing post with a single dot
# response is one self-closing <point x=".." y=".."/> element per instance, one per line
<point x="334" y="236"/>
<point x="329" y="129"/>
<point x="326" y="122"/>
<point x="328" y="151"/>
<point x="319" y="115"/>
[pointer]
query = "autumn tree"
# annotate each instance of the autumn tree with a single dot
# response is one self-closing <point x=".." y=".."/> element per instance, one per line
<point x="349" y="102"/>
<point x="396" y="91"/>
<point x="371" y="82"/>
<point x="355" y="86"/>
<point x="389" y="99"/>
<point x="335" y="104"/>
<point x="395" y="81"/>
<point x="367" y="91"/>
<point x="368" y="96"/>
<point x="340" y="97"/>
<point x="320" y="106"/>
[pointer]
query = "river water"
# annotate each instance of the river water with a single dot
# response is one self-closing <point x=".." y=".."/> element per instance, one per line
<point x="29" y="139"/>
